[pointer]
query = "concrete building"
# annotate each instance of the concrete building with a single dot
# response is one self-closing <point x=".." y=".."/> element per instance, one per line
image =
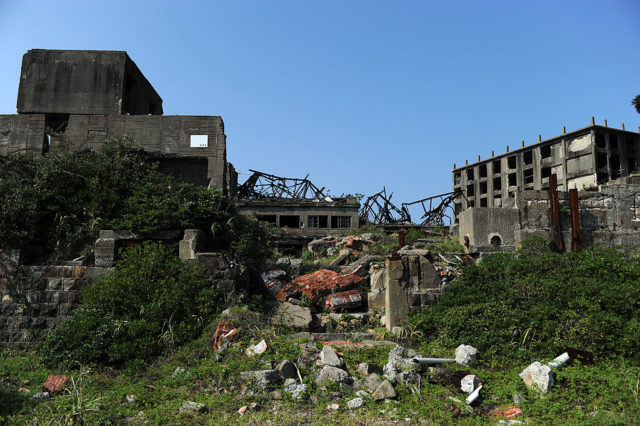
<point x="75" y="100"/>
<point x="305" y="217"/>
<point x="580" y="159"/>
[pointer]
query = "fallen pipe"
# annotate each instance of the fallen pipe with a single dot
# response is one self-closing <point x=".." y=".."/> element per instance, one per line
<point x="559" y="360"/>
<point x="474" y="395"/>
<point x="432" y="360"/>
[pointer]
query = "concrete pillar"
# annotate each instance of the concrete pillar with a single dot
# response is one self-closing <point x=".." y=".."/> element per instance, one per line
<point x="396" y="303"/>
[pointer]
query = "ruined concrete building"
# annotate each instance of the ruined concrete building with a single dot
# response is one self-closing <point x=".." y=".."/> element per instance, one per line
<point x="296" y="205"/>
<point x="580" y="159"/>
<point x="508" y="198"/>
<point x="75" y="100"/>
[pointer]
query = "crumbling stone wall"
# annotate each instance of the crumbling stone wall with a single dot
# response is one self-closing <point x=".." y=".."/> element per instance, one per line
<point x="35" y="299"/>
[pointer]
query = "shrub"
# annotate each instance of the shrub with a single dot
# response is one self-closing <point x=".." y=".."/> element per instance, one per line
<point x="151" y="301"/>
<point x="54" y="205"/>
<point x="253" y="242"/>
<point x="536" y="303"/>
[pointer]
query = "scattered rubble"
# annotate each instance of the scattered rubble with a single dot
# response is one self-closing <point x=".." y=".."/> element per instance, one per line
<point x="468" y="383"/>
<point x="355" y="403"/>
<point x="384" y="391"/>
<point x="55" y="383"/>
<point x="538" y="376"/>
<point x="332" y="374"/>
<point x="257" y="348"/>
<point x="192" y="407"/>
<point x="466" y="355"/>
<point x="261" y="378"/>
<point x="329" y="357"/>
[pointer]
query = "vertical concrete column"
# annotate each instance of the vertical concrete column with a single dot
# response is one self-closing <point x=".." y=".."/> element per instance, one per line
<point x="396" y="302"/>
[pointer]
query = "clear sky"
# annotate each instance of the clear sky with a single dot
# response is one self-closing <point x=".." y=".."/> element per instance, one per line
<point x="359" y="94"/>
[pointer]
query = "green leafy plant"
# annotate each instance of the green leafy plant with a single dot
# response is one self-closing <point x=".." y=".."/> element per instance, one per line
<point x="150" y="302"/>
<point x="535" y="303"/>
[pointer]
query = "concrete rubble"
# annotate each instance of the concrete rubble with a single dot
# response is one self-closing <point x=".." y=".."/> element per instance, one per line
<point x="329" y="357"/>
<point x="466" y="355"/>
<point x="469" y="383"/>
<point x="384" y="391"/>
<point x="332" y="374"/>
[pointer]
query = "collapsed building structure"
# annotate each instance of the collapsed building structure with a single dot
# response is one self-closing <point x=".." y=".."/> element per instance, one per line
<point x="527" y="192"/>
<point x="75" y="100"/>
<point x="298" y="207"/>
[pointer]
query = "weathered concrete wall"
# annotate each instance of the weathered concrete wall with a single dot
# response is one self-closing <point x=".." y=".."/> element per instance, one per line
<point x="609" y="217"/>
<point x="35" y="299"/>
<point x="84" y="82"/>
<point x="170" y="139"/>
<point x="21" y="133"/>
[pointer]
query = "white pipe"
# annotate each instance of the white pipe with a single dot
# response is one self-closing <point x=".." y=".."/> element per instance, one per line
<point x="558" y="361"/>
<point x="474" y="395"/>
<point x="432" y="360"/>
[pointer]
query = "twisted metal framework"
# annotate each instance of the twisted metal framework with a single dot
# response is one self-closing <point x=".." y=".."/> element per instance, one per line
<point x="379" y="210"/>
<point x="435" y="215"/>
<point x="263" y="185"/>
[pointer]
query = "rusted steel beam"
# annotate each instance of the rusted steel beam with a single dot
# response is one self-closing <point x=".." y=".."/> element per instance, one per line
<point x="554" y="212"/>
<point x="576" y="230"/>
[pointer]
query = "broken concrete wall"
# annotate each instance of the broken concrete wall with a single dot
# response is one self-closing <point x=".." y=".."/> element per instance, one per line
<point x="405" y="285"/>
<point x="192" y="148"/>
<point x="84" y="82"/>
<point x="609" y="217"/>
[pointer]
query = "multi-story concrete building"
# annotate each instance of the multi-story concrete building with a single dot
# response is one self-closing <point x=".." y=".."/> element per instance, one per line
<point x="75" y="100"/>
<point x="580" y="159"/>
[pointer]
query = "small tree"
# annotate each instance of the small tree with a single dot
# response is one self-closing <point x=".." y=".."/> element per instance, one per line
<point x="636" y="103"/>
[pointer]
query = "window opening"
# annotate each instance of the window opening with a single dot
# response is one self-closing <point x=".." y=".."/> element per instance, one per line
<point x="290" y="221"/>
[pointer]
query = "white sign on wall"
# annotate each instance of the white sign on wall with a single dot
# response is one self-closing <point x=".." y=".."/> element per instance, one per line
<point x="199" y="141"/>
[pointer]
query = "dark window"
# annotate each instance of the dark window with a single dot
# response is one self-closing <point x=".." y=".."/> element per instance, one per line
<point x="483" y="170"/>
<point x="546" y="172"/>
<point x="511" y="162"/>
<point x="603" y="177"/>
<point x="613" y="142"/>
<point x="338" y="222"/>
<point x="600" y="143"/>
<point x="632" y="164"/>
<point x="496" y="242"/>
<point x="457" y="208"/>
<point x="497" y="183"/>
<point x="289" y="221"/>
<point x="601" y="161"/>
<point x="469" y="174"/>
<point x="614" y="160"/>
<point x="528" y="176"/>
<point x="457" y="178"/>
<point x="513" y="179"/>
<point x="496" y="166"/>
<point x="318" y="221"/>
<point x="545" y="151"/>
<point x="470" y="192"/>
<point x="483" y="202"/>
<point x="483" y="187"/>
<point x="528" y="157"/>
<point x="269" y="218"/>
<point x="631" y="147"/>
<point x="472" y="203"/>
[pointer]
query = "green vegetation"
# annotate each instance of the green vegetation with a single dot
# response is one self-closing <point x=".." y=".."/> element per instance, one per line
<point x="535" y="303"/>
<point x="54" y="205"/>
<point x="151" y="301"/>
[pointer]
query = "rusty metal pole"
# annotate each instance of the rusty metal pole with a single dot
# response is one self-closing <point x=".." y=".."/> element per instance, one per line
<point x="576" y="231"/>
<point x="401" y="238"/>
<point x="554" y="212"/>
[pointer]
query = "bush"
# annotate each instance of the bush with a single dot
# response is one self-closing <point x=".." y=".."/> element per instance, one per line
<point x="253" y="242"/>
<point x="53" y="206"/>
<point x="151" y="301"/>
<point x="536" y="303"/>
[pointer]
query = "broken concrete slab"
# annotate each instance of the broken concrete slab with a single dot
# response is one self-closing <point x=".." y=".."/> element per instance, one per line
<point x="468" y="383"/>
<point x="329" y="357"/>
<point x="287" y="369"/>
<point x="262" y="378"/>
<point x="319" y="284"/>
<point x="289" y="315"/>
<point x="538" y="376"/>
<point x="384" y="391"/>
<point x="332" y="374"/>
<point x="466" y="355"/>
<point x="344" y="301"/>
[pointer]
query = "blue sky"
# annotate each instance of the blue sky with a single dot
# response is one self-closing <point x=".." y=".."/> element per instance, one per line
<point x="359" y="94"/>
